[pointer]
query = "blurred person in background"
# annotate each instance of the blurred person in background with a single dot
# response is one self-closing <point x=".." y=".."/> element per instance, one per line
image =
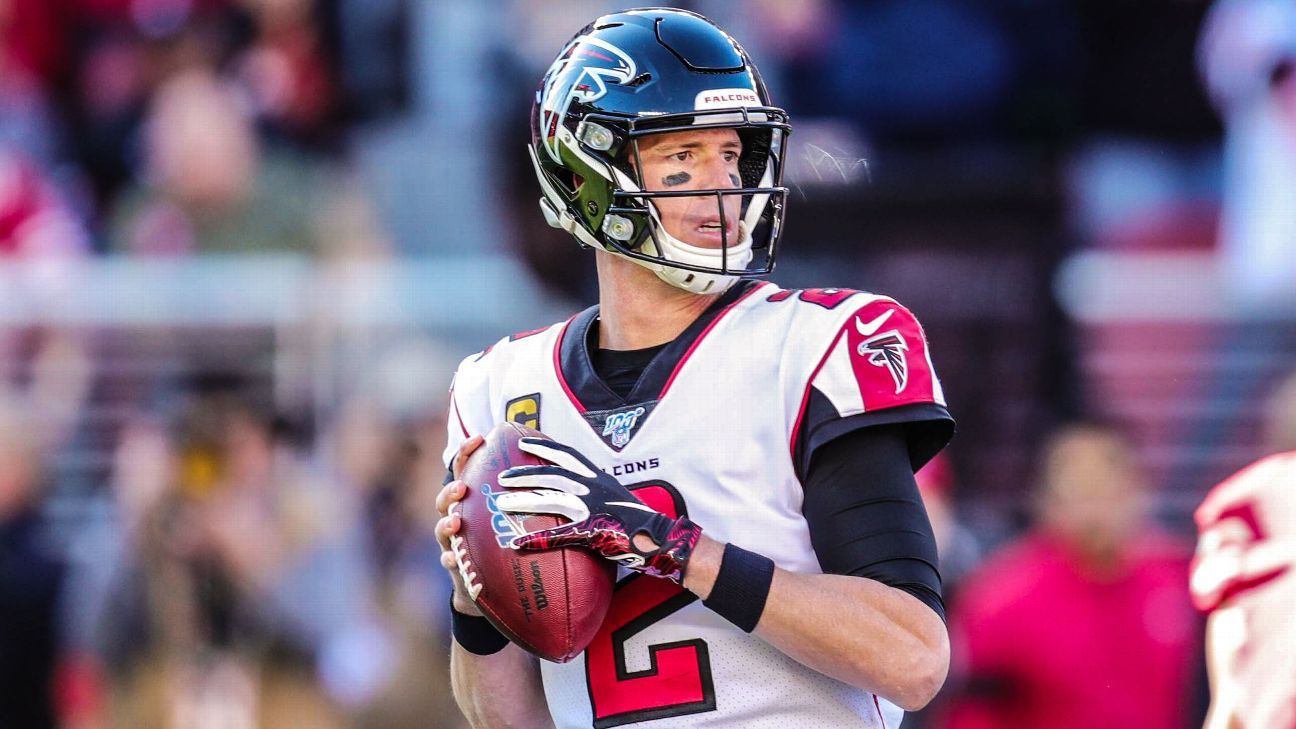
<point x="381" y="436"/>
<point x="1244" y="578"/>
<point x="357" y="316"/>
<point x="26" y="120"/>
<point x="386" y="442"/>
<point x="37" y="225"/>
<point x="1085" y="620"/>
<point x="109" y="57"/>
<point x="1279" y="430"/>
<point x="31" y="578"/>
<point x="209" y="185"/>
<point x="1247" y="57"/>
<point x="1244" y="570"/>
<point x="98" y="61"/>
<point x="42" y="247"/>
<point x="240" y="593"/>
<point x="286" y="73"/>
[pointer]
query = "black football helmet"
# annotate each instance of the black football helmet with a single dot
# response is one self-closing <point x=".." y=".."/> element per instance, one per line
<point x="651" y="71"/>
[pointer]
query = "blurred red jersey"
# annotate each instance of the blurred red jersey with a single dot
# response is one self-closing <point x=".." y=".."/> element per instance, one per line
<point x="1040" y="643"/>
<point x="1244" y="575"/>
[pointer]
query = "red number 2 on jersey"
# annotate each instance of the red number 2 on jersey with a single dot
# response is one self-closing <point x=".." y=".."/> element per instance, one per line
<point x="678" y="679"/>
<point x="827" y="298"/>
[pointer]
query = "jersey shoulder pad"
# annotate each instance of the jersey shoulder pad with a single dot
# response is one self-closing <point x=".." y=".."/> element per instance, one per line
<point x="470" y="391"/>
<point x="863" y="351"/>
<point x="506" y="345"/>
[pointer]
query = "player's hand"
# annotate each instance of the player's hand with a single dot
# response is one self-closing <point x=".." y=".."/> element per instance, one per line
<point x="447" y="504"/>
<point x="605" y="516"/>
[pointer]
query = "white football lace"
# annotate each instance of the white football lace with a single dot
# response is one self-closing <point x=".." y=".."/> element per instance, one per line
<point x="458" y="544"/>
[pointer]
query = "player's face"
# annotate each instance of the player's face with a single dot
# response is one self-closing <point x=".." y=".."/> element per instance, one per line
<point x="706" y="159"/>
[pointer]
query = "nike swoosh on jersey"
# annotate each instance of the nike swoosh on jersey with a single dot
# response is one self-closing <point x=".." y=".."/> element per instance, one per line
<point x="867" y="330"/>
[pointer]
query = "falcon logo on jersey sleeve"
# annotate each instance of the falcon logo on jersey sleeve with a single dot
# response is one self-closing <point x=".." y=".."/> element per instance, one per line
<point x="877" y="360"/>
<point x="884" y="350"/>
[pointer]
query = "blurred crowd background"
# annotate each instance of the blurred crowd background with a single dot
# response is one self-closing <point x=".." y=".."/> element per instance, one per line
<point x="243" y="244"/>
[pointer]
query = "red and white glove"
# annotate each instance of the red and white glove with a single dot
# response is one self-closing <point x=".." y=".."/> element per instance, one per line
<point x="605" y="516"/>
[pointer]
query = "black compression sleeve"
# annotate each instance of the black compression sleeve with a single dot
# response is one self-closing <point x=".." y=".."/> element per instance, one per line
<point x="866" y="517"/>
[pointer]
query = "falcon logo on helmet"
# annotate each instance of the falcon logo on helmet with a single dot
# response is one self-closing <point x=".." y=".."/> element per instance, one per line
<point x="581" y="73"/>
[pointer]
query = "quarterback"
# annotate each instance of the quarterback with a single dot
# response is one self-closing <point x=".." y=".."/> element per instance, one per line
<point x="745" y="453"/>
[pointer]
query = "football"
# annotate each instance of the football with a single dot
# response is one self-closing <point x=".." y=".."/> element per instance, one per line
<point x="551" y="602"/>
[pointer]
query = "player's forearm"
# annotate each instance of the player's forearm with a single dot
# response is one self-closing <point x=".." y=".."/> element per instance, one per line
<point x="856" y="630"/>
<point x="499" y="690"/>
<point x="861" y="632"/>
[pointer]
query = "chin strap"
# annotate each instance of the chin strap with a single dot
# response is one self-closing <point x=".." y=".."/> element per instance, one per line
<point x="661" y="243"/>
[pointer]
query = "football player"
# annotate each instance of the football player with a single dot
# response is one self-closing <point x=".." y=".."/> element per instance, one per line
<point x="744" y="452"/>
<point x="1244" y="576"/>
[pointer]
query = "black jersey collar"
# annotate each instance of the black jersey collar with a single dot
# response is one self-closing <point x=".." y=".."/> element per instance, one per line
<point x="588" y="393"/>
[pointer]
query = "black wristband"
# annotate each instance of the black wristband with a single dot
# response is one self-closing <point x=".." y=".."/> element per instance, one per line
<point x="475" y="634"/>
<point x="741" y="587"/>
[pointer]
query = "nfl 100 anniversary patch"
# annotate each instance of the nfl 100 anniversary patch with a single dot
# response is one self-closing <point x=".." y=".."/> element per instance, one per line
<point x="617" y="427"/>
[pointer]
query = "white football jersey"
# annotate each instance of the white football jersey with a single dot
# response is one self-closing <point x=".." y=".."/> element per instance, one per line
<point x="1244" y="575"/>
<point x="720" y="426"/>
